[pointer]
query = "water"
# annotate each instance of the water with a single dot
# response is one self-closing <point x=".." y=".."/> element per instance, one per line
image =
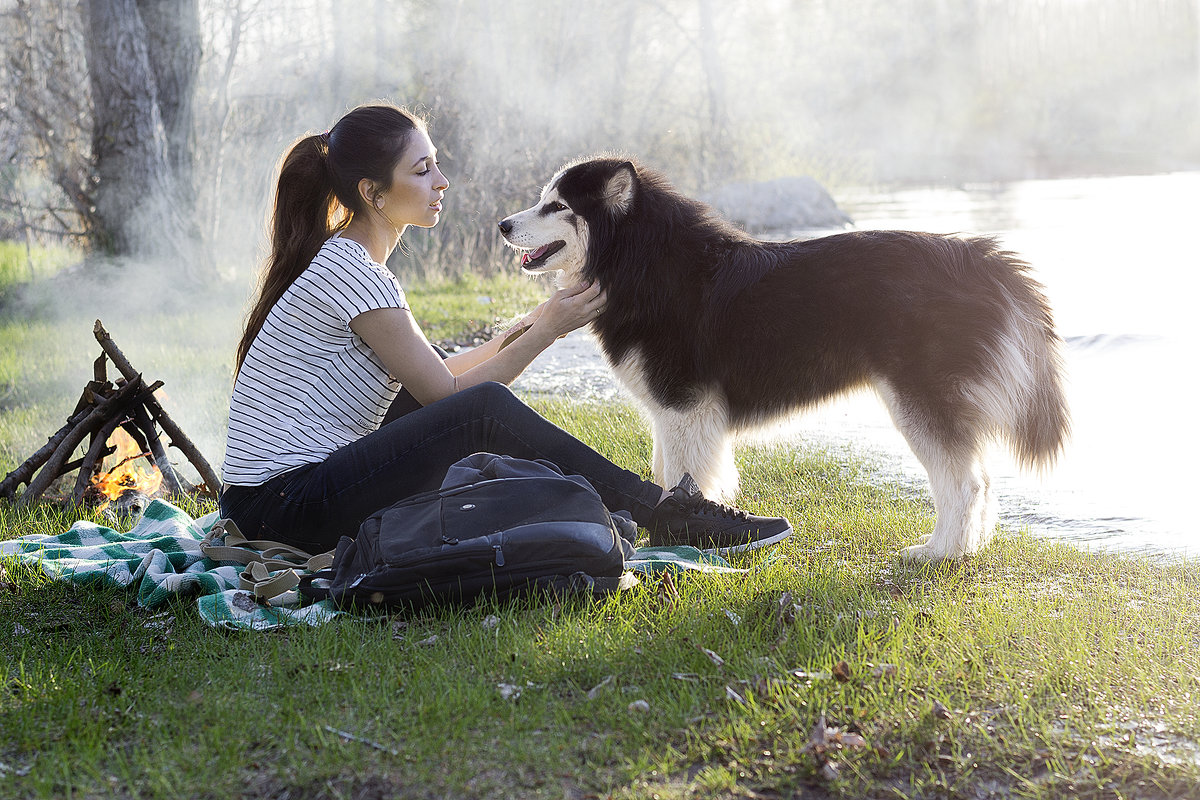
<point x="1118" y="262"/>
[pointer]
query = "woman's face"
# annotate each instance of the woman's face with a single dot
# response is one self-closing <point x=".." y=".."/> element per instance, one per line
<point x="415" y="196"/>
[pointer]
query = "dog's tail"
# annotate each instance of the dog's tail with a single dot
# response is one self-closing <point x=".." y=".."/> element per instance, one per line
<point x="1029" y="366"/>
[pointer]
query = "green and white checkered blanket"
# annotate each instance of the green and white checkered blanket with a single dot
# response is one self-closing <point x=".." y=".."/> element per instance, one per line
<point x="160" y="557"/>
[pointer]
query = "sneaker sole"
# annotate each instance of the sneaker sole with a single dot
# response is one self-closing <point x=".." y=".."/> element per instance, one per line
<point x="743" y="548"/>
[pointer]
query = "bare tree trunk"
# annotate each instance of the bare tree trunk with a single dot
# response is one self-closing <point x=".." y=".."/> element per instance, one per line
<point x="136" y="195"/>
<point x="173" y="47"/>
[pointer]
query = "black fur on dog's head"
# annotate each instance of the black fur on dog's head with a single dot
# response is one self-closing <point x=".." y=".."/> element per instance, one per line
<point x="634" y="217"/>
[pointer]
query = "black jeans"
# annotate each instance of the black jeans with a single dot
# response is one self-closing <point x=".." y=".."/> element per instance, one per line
<point x="313" y="506"/>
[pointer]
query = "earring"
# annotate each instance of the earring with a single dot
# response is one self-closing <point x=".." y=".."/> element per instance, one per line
<point x="379" y="203"/>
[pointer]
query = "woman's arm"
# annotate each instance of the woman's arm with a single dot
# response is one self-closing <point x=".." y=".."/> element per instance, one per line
<point x="461" y="362"/>
<point x="396" y="338"/>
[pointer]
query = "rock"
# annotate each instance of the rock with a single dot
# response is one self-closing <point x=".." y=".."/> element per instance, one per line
<point x="780" y="205"/>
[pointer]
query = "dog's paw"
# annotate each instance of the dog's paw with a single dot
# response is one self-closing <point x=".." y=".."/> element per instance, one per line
<point x="929" y="551"/>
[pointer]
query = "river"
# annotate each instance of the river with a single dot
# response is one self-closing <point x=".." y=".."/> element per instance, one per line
<point x="1118" y="259"/>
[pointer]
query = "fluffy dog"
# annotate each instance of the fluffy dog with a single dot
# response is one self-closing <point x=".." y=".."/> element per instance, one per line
<point x="714" y="333"/>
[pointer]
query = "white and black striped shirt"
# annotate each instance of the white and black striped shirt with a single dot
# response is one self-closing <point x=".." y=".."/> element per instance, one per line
<point x="309" y="384"/>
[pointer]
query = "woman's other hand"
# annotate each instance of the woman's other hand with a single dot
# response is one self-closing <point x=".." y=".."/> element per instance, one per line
<point x="569" y="308"/>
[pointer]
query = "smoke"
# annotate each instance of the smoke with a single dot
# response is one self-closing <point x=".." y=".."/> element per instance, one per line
<point x="872" y="93"/>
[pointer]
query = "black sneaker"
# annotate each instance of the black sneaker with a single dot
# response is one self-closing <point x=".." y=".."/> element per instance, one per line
<point x="688" y="518"/>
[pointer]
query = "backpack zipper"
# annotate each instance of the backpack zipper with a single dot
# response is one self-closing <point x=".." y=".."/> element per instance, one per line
<point x="499" y="551"/>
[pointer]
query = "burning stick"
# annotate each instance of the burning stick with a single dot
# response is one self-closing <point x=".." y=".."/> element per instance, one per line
<point x="141" y="430"/>
<point x="177" y="437"/>
<point x="95" y="454"/>
<point x="98" y="415"/>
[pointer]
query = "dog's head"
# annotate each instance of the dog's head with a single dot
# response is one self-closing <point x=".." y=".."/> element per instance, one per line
<point x="578" y="201"/>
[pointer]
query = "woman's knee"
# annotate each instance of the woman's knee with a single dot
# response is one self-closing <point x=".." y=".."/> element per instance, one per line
<point x="493" y="394"/>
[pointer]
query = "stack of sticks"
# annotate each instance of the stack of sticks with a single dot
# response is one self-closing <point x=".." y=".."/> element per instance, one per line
<point x="103" y="407"/>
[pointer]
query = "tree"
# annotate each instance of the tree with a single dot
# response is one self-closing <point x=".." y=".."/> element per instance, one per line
<point x="142" y="70"/>
<point x="103" y="96"/>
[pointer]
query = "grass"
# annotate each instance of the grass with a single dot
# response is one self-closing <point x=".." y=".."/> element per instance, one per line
<point x="20" y="264"/>
<point x="1032" y="670"/>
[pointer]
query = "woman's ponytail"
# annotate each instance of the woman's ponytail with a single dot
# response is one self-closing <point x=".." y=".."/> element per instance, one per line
<point x="306" y="213"/>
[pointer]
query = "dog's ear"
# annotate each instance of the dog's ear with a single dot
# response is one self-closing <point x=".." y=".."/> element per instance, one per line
<point x="620" y="188"/>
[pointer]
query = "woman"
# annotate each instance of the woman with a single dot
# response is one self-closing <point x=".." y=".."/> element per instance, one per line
<point x="330" y="340"/>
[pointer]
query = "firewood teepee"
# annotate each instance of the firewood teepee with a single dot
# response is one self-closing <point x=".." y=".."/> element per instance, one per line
<point x="103" y="407"/>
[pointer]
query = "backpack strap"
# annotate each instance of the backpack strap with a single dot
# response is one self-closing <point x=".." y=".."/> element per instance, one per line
<point x="266" y="585"/>
<point x="237" y="548"/>
<point x="272" y="568"/>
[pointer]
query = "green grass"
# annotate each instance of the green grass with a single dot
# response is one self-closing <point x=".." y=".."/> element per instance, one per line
<point x="19" y="264"/>
<point x="1032" y="670"/>
<point x="469" y="304"/>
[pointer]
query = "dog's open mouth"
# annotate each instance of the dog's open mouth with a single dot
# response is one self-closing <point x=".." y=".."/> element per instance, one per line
<point x="531" y="259"/>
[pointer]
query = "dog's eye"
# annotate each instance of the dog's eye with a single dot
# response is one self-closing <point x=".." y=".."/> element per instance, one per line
<point x="554" y="207"/>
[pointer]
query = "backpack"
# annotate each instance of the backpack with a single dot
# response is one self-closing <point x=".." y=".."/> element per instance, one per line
<point x="497" y="525"/>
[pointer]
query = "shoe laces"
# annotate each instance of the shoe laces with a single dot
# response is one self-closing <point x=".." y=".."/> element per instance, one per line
<point x="702" y="505"/>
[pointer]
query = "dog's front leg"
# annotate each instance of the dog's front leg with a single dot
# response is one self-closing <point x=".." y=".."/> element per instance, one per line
<point x="696" y="440"/>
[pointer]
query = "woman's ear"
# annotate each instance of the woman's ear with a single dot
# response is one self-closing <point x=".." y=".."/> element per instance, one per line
<point x="366" y="190"/>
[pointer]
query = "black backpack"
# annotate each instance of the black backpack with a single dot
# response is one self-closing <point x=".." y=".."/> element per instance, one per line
<point x="497" y="525"/>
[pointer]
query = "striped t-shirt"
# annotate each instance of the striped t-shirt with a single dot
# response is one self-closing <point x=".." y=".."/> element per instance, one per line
<point x="309" y="384"/>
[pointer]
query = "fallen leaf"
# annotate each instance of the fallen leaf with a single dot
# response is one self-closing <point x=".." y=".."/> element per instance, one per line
<point x="713" y="657"/>
<point x="490" y="622"/>
<point x="885" y="670"/>
<point x="509" y="691"/>
<point x="244" y="601"/>
<point x="667" y="591"/>
<point x="430" y="642"/>
<point x="640" y="706"/>
<point x="731" y="694"/>
<point x="829" y="770"/>
<point x="852" y="740"/>
<point x="940" y="711"/>
<point x="595" y="690"/>
<point x="841" y="671"/>
<point x="817" y="739"/>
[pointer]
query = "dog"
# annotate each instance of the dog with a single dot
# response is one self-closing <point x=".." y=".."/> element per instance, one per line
<point x="716" y="333"/>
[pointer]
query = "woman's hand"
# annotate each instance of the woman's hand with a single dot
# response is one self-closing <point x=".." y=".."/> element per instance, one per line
<point x="568" y="309"/>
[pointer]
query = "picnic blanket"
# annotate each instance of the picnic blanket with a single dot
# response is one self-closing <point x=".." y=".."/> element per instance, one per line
<point x="160" y="558"/>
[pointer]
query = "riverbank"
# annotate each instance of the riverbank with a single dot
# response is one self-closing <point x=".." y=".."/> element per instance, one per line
<point x="828" y="669"/>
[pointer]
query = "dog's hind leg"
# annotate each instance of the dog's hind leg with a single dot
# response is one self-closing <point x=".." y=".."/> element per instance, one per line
<point x="958" y="481"/>
<point x="696" y="440"/>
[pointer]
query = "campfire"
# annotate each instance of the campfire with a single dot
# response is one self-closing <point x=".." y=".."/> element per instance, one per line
<point x="129" y="473"/>
<point x="125" y="460"/>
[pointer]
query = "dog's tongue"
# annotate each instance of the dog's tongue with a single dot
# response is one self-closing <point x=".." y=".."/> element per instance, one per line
<point x="534" y="255"/>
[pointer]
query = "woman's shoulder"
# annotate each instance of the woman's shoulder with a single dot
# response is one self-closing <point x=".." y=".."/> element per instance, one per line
<point x="347" y="257"/>
<point x="343" y="273"/>
<point x="339" y="250"/>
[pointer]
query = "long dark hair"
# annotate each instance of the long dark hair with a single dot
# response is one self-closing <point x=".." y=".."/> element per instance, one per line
<point x="317" y="195"/>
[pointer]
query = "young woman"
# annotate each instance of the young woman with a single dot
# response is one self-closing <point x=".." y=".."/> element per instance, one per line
<point x="330" y="341"/>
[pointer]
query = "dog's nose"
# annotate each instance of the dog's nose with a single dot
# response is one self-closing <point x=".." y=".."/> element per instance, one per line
<point x="505" y="226"/>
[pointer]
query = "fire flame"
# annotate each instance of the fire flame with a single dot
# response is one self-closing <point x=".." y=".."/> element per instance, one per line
<point x="130" y="471"/>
